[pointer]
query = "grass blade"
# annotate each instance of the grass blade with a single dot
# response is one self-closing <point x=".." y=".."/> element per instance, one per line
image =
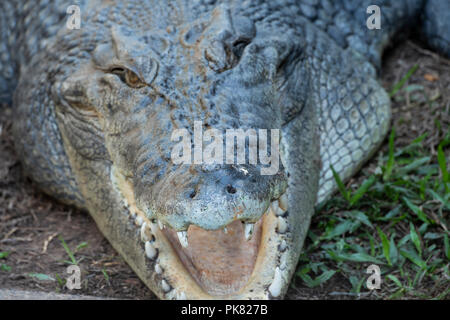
<point x="41" y="276"/>
<point x="4" y="267"/>
<point x="443" y="167"/>
<point x="411" y="167"/>
<point x="105" y="274"/>
<point x="391" y="158"/>
<point x="414" y="258"/>
<point x="393" y="252"/>
<point x="386" y="246"/>
<point x="362" y="190"/>
<point x="325" y="276"/>
<point x="340" y="229"/>
<point x="395" y="280"/>
<point x="359" y="257"/>
<point x="446" y="246"/>
<point x="81" y="246"/>
<point x="420" y="214"/>
<point x="415" y="238"/>
<point x="69" y="252"/>
<point x="359" y="216"/>
<point x="343" y="190"/>
<point x="402" y="82"/>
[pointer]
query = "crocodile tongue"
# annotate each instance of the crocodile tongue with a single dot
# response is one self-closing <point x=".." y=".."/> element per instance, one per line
<point x="221" y="262"/>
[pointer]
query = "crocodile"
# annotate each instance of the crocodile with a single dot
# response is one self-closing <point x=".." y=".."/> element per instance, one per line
<point x="96" y="107"/>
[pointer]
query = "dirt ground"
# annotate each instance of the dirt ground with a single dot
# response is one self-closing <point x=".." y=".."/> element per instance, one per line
<point x="32" y="223"/>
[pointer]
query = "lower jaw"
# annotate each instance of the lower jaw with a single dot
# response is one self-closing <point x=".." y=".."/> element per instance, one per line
<point x="268" y="279"/>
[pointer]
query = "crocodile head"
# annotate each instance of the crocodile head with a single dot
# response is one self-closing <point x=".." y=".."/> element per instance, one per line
<point x="137" y="95"/>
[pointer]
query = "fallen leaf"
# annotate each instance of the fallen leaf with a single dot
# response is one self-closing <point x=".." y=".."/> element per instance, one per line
<point x="430" y="77"/>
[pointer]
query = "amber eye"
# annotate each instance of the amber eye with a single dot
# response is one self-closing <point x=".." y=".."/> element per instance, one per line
<point x="132" y="78"/>
<point x="129" y="77"/>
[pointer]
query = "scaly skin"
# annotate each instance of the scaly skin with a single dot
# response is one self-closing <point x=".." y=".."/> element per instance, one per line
<point x="95" y="109"/>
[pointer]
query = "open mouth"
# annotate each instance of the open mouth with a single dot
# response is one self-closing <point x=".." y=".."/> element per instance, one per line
<point x="242" y="260"/>
<point x="220" y="261"/>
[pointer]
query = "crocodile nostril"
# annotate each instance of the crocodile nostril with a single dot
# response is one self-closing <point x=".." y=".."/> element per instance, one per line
<point x="239" y="46"/>
<point x="231" y="189"/>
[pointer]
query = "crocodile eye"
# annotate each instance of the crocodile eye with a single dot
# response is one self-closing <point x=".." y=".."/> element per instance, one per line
<point x="128" y="77"/>
<point x="132" y="79"/>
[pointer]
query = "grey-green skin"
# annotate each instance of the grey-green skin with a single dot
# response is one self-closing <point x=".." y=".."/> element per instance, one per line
<point x="308" y="68"/>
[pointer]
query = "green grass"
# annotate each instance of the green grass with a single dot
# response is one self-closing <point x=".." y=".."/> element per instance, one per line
<point x="402" y="82"/>
<point x="397" y="218"/>
<point x="41" y="276"/>
<point x="61" y="282"/>
<point x="4" y="266"/>
<point x="71" y="253"/>
<point x="106" y="276"/>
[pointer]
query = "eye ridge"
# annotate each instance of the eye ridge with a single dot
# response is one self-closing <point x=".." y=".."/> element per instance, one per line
<point x="128" y="77"/>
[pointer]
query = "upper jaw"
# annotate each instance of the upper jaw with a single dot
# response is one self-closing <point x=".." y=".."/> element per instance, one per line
<point x="273" y="266"/>
<point x="209" y="200"/>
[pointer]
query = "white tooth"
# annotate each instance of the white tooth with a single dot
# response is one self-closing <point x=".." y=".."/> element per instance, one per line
<point x="279" y="212"/>
<point x="144" y="237"/>
<point x="249" y="228"/>
<point x="282" y="225"/>
<point x="283" y="202"/>
<point x="139" y="220"/>
<point x="158" y="269"/>
<point x="277" y="284"/>
<point x="165" y="286"/>
<point x="183" y="237"/>
<point x="160" y="224"/>
<point x="150" y="250"/>
<point x="225" y="230"/>
<point x="274" y="206"/>
<point x="282" y="246"/>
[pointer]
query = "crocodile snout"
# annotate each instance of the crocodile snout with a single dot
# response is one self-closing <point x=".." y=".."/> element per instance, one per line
<point x="213" y="198"/>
